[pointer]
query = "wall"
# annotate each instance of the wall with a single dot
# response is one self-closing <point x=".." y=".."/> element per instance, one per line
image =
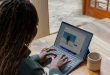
<point x="42" y="9"/>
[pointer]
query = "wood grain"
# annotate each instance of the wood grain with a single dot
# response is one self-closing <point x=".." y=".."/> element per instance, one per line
<point x="93" y="11"/>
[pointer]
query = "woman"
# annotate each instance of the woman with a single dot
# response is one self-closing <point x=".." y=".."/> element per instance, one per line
<point x="18" y="20"/>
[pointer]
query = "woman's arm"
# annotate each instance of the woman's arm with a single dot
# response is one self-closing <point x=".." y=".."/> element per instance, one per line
<point x="44" y="58"/>
<point x="35" y="58"/>
<point x="53" y="71"/>
<point x="29" y="67"/>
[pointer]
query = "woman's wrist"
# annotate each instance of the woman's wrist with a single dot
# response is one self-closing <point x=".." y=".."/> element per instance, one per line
<point x="35" y="58"/>
<point x="53" y="66"/>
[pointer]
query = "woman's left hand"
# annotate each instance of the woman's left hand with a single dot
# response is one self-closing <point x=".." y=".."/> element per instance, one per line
<point x="46" y="54"/>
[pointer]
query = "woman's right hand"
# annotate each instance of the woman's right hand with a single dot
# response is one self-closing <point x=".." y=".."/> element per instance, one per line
<point x="59" y="62"/>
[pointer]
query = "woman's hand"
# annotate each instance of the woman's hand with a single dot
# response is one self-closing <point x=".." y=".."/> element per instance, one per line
<point x="59" y="62"/>
<point x="46" y="54"/>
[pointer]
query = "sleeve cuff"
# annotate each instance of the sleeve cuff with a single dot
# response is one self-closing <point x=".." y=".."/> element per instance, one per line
<point x="55" y="71"/>
<point x="35" y="58"/>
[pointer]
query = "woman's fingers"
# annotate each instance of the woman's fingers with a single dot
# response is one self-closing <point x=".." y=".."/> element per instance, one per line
<point x="50" y="54"/>
<point x="51" y="50"/>
<point x="64" y="60"/>
<point x="48" y="49"/>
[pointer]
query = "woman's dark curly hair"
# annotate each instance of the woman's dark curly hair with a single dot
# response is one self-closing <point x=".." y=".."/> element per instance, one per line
<point x="18" y="20"/>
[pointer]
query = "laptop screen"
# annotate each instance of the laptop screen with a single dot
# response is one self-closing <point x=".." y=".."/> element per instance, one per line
<point x="72" y="38"/>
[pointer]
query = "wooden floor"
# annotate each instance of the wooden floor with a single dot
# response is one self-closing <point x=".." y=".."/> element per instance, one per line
<point x="101" y="29"/>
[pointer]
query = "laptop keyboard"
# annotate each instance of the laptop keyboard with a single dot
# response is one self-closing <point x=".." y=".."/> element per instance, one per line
<point x="74" y="61"/>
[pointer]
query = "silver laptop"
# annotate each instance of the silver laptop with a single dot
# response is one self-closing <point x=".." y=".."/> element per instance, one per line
<point x="72" y="42"/>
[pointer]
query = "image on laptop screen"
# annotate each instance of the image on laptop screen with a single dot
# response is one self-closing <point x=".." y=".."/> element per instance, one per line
<point x="72" y="40"/>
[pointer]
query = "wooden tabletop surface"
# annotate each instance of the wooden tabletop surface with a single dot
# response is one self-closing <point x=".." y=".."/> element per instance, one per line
<point x="100" y="43"/>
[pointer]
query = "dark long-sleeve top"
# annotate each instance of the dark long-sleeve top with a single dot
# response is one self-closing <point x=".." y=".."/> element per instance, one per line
<point x="30" y="66"/>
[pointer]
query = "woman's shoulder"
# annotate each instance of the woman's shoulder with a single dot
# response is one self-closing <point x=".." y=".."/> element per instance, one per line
<point x="28" y="67"/>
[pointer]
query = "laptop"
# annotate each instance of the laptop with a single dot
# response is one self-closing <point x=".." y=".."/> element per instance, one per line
<point x="72" y="42"/>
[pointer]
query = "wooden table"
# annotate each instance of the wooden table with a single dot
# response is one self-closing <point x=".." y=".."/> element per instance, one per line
<point x="100" y="43"/>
